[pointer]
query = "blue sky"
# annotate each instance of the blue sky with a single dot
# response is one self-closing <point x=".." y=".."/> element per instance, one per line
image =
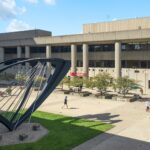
<point x="66" y="16"/>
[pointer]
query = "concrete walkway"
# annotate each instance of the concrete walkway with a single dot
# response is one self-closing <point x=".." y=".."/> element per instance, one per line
<point x="132" y="123"/>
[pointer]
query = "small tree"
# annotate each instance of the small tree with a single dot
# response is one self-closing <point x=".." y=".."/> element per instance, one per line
<point x="21" y="78"/>
<point x="76" y="82"/>
<point x="124" y="84"/>
<point x="89" y="83"/>
<point x="39" y="80"/>
<point x="66" y="80"/>
<point x="102" y="82"/>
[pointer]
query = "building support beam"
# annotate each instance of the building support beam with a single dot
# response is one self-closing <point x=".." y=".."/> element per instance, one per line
<point x="73" y="60"/>
<point x="85" y="60"/>
<point x="27" y="55"/>
<point x="48" y="55"/>
<point x="48" y="51"/>
<point x="19" y="52"/>
<point x="117" y="59"/>
<point x="2" y="53"/>
<point x="27" y="52"/>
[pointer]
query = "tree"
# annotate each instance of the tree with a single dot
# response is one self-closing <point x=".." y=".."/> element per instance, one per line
<point x="102" y="82"/>
<point x="21" y="78"/>
<point x="89" y="83"/>
<point x="124" y="84"/>
<point x="39" y="80"/>
<point x="77" y="82"/>
<point x="66" y="80"/>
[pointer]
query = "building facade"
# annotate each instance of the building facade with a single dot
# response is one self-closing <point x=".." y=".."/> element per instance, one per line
<point x="121" y="48"/>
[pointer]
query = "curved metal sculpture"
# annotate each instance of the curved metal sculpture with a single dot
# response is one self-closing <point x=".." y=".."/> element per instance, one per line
<point x="29" y="87"/>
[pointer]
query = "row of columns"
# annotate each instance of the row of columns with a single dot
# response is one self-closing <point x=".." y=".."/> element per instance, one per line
<point x="27" y="52"/>
<point x="74" y="57"/>
<point x="86" y="59"/>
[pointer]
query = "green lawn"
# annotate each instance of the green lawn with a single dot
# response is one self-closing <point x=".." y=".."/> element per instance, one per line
<point x="64" y="132"/>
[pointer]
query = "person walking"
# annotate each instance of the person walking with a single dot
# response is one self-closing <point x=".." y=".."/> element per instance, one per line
<point x="65" y="102"/>
<point x="147" y="104"/>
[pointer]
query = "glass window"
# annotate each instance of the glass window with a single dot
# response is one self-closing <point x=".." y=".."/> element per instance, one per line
<point x="38" y="49"/>
<point x="11" y="50"/>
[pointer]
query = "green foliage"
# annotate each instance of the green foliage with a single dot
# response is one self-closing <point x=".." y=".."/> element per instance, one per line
<point x="76" y="82"/>
<point x="20" y="77"/>
<point x="89" y="83"/>
<point x="124" y="84"/>
<point x="39" y="79"/>
<point x="102" y="81"/>
<point x="66" y="81"/>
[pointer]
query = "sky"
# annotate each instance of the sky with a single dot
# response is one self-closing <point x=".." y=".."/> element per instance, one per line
<point x="66" y="16"/>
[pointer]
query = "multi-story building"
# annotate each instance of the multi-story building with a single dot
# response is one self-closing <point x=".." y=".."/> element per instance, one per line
<point x="121" y="48"/>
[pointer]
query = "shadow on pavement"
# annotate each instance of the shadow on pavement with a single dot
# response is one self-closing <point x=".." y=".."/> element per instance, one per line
<point x="107" y="141"/>
<point x="105" y="117"/>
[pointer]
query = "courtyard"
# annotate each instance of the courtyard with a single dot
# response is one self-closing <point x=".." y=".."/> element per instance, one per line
<point x="131" y="122"/>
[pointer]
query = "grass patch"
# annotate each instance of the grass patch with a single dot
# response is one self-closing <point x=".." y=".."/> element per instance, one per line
<point x="64" y="132"/>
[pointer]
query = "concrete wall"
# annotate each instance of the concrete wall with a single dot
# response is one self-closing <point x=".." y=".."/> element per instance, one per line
<point x="105" y="37"/>
<point x="119" y="25"/>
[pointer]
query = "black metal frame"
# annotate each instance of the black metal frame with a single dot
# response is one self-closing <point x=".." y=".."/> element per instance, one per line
<point x="61" y="68"/>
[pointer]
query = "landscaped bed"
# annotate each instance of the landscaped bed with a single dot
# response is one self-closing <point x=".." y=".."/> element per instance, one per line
<point x="64" y="132"/>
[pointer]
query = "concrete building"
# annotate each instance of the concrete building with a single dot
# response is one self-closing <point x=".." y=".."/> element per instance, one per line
<point x="121" y="48"/>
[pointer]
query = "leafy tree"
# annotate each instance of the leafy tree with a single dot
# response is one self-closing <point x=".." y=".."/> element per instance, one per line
<point x="124" y="84"/>
<point x="39" y="80"/>
<point x="66" y="80"/>
<point x="102" y="82"/>
<point x="76" y="82"/>
<point x="89" y="83"/>
<point x="21" y="78"/>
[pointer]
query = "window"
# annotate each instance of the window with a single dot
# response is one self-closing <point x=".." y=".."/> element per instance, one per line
<point x="37" y="49"/>
<point x="101" y="47"/>
<point x="61" y="49"/>
<point x="149" y="84"/>
<point x="10" y="50"/>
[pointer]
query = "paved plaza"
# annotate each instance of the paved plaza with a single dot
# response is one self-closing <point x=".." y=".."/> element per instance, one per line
<point x="132" y="123"/>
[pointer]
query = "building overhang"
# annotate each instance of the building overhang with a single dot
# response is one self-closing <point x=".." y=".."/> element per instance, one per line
<point x="105" y="37"/>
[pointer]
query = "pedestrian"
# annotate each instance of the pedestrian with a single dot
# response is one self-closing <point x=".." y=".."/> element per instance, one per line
<point x="65" y="102"/>
<point x="141" y="90"/>
<point x="147" y="104"/>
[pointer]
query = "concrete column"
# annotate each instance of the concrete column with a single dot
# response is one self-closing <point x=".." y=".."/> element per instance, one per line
<point x="85" y="60"/>
<point x="48" y="55"/>
<point x="27" y="52"/>
<point x="19" y="51"/>
<point x="73" y="59"/>
<point x="48" y="51"/>
<point x="117" y="59"/>
<point x="27" y="55"/>
<point x="2" y="53"/>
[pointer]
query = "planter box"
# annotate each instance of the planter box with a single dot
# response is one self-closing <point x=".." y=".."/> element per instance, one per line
<point x="84" y="94"/>
<point x="66" y="92"/>
<point x="108" y="96"/>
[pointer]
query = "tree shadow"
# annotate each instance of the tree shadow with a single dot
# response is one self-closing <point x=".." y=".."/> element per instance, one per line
<point x="105" y="117"/>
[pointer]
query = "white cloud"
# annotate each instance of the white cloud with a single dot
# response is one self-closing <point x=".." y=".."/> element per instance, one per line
<point x="32" y="1"/>
<point x="50" y="2"/>
<point x="8" y="9"/>
<point x="17" y="25"/>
